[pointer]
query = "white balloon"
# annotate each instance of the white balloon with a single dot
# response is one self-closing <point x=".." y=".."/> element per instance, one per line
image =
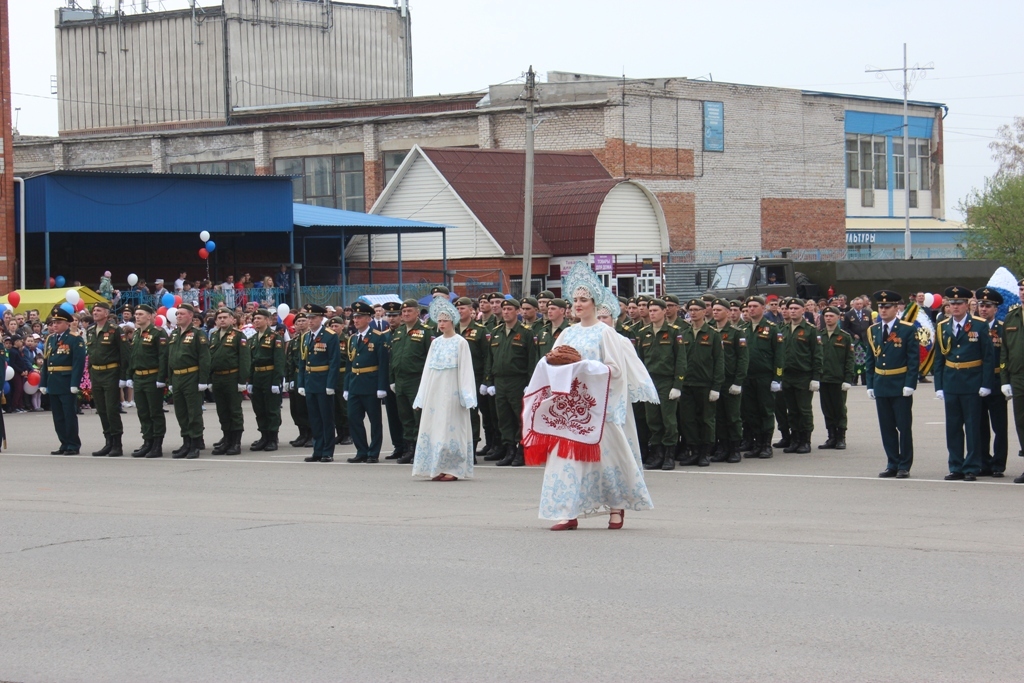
<point x="283" y="311"/>
<point x="133" y="280"/>
<point x="30" y="389"/>
<point x="72" y="296"/>
<point x="204" y="236"/>
<point x="929" y="299"/>
<point x="10" y="373"/>
<point x="172" y="316"/>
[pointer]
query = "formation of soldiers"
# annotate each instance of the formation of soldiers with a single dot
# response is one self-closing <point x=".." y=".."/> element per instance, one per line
<point x="727" y="377"/>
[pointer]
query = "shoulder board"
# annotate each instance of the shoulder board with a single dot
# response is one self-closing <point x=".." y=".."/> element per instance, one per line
<point x="874" y="325"/>
<point x="979" y="319"/>
<point x="376" y="331"/>
<point x="904" y="322"/>
<point x="329" y="331"/>
<point x="1014" y="307"/>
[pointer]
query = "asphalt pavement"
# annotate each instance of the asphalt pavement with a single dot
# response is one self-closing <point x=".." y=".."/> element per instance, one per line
<point x="261" y="567"/>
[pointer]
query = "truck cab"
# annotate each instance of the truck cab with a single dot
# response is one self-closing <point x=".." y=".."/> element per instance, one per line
<point x="745" y="277"/>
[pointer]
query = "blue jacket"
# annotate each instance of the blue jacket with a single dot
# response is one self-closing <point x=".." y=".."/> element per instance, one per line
<point x="892" y="362"/>
<point x="367" y="369"/>
<point x="966" y="362"/>
<point x="63" y="363"/>
<point x="321" y="361"/>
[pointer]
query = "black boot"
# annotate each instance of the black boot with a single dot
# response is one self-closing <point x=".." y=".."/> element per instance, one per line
<point x="702" y="455"/>
<point x="830" y="442"/>
<point x="260" y="444"/>
<point x="106" y="447"/>
<point x="221" y="447"/>
<point x="497" y="454"/>
<point x="193" y="450"/>
<point x="346" y="439"/>
<point x="518" y="460"/>
<point x="510" y="455"/>
<point x="235" y="445"/>
<point x="199" y="443"/>
<point x="1019" y="480"/>
<point x="691" y="455"/>
<point x="747" y="444"/>
<point x="407" y="456"/>
<point x="141" y="451"/>
<point x="794" y="442"/>
<point x="755" y="446"/>
<point x="803" y="443"/>
<point x="765" y="451"/>
<point x="784" y="442"/>
<point x="116" y="449"/>
<point x="667" y="461"/>
<point x="157" y="449"/>
<point x="301" y="440"/>
<point x="656" y="458"/>
<point x="734" y="453"/>
<point x="721" y="451"/>
<point x="184" y="449"/>
<point x="840" y="440"/>
<point x="271" y="442"/>
<point x="395" y="454"/>
<point x="484" y="450"/>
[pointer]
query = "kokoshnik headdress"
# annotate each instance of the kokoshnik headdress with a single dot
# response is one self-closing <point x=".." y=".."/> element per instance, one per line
<point x="442" y="309"/>
<point x="582" y="277"/>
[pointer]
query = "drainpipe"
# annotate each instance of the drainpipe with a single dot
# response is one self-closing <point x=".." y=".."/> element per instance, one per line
<point x="21" y="226"/>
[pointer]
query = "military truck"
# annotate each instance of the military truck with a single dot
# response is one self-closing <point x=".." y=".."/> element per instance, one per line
<point x="745" y="277"/>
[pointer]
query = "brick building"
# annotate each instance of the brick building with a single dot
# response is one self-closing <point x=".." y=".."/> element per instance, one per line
<point x="7" y="235"/>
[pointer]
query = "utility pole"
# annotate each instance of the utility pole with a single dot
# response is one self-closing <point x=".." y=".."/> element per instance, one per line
<point x="530" y="98"/>
<point x="907" y="253"/>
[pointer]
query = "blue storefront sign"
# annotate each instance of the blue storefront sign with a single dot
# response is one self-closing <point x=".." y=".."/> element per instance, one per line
<point x="714" y="127"/>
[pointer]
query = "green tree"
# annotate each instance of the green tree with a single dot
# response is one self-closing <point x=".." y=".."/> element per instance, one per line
<point x="995" y="221"/>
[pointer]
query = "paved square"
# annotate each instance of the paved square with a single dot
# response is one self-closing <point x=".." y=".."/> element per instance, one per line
<point x="260" y="567"/>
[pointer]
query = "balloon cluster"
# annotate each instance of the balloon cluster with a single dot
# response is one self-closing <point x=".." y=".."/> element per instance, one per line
<point x="72" y="302"/>
<point x="32" y="382"/>
<point x="209" y="245"/>
<point x="933" y="301"/>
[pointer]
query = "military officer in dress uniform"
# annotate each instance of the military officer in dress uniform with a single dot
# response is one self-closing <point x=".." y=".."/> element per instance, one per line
<point x="366" y="383"/>
<point x="409" y="346"/>
<point x="507" y="373"/>
<point x="147" y="378"/>
<point x="893" y="359"/>
<point x="963" y="375"/>
<point x="188" y="365"/>
<point x="230" y="364"/>
<point x="801" y="376"/>
<point x="764" y="380"/>
<point x="340" y="328"/>
<point x="702" y="386"/>
<point x="60" y="377"/>
<point x="728" y="424"/>
<point x="108" y="363"/>
<point x="661" y="350"/>
<point x="296" y="403"/>
<point x="318" y="375"/>
<point x="993" y="444"/>
<point x="478" y="340"/>
<point x="837" y="376"/>
<point x="1011" y="366"/>
<point x="781" y="408"/>
<point x="393" y="313"/>
<point x="267" y="353"/>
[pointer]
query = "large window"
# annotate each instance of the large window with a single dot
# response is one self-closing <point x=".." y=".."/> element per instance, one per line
<point x="645" y="284"/>
<point x="237" y="167"/>
<point x="332" y="181"/>
<point x="392" y="160"/>
<point x="916" y="165"/>
<point x="865" y="166"/>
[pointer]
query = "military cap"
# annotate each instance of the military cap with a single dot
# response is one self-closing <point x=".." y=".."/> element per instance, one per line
<point x="337" y="320"/>
<point x="699" y="303"/>
<point x="463" y="301"/>
<point x="514" y="303"/>
<point x="363" y="308"/>
<point x="315" y="309"/>
<point x="392" y="307"/>
<point x="757" y="299"/>
<point x="560" y="303"/>
<point x="631" y="300"/>
<point x="956" y="293"/>
<point x="530" y="300"/>
<point x="265" y="313"/>
<point x="656" y="302"/>
<point x="496" y="295"/>
<point x="708" y="298"/>
<point x="832" y="309"/>
<point x="147" y="308"/>
<point x="59" y="313"/>
<point x="299" y="316"/>
<point x="102" y="304"/>
<point x="671" y="299"/>
<point x="643" y="299"/>
<point x="887" y="296"/>
<point x="440" y="289"/>
<point x="410" y="303"/>
<point x="989" y="295"/>
<point x="794" y="301"/>
<point x="623" y="300"/>
<point x="187" y="307"/>
<point x="546" y="294"/>
<point x="735" y="303"/>
<point x="724" y="303"/>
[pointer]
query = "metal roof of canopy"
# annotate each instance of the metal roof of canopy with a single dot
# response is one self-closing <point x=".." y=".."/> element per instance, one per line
<point x="356" y="223"/>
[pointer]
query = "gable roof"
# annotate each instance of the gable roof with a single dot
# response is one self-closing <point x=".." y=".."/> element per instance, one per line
<point x="566" y="213"/>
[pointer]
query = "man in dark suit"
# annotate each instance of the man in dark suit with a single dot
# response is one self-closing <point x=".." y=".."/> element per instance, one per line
<point x="366" y="384"/>
<point x="318" y="375"/>
<point x="856" y="322"/>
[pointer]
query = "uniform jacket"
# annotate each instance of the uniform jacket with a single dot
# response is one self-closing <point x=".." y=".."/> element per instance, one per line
<point x="321" y="359"/>
<point x="512" y="354"/>
<point x="545" y="338"/>
<point x="736" y="354"/>
<point x="801" y="354"/>
<point x="230" y="352"/>
<point x="890" y="356"/>
<point x="267" y="351"/>
<point x="973" y="347"/>
<point x="705" y="360"/>
<point x="479" y="338"/>
<point x="148" y="352"/>
<point x="367" y="352"/>
<point x="63" y="363"/>
<point x="409" y="348"/>
<point x="186" y="349"/>
<point x="1011" y="351"/>
<point x="764" y="349"/>
<point x="105" y="347"/>
<point x="837" y="364"/>
<point x="996" y="329"/>
<point x="663" y="353"/>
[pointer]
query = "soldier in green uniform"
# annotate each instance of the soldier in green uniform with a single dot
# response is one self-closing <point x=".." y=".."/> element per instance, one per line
<point x="366" y="383"/>
<point x="892" y="364"/>
<point x="993" y="407"/>
<point x="672" y="310"/>
<point x="339" y="326"/>
<point x="487" y="317"/>
<point x="801" y="376"/>
<point x="964" y="370"/>
<point x="705" y="373"/>
<point x="267" y="353"/>
<point x="296" y="403"/>
<point x="1011" y="366"/>
<point x="147" y="378"/>
<point x="531" y="312"/>
<point x="230" y="364"/>
<point x="507" y="373"/>
<point x="555" y="324"/>
<point x="837" y="376"/>
<point x="728" y="425"/>
<point x="108" y="365"/>
<point x="660" y="347"/>
<point x="188" y="365"/>
<point x="478" y="340"/>
<point x="764" y="379"/>
<point x="496" y="321"/>
<point x="736" y="314"/>
<point x="393" y="313"/>
<point x="543" y="299"/>
<point x="781" y="409"/>
<point x="488" y="409"/>
<point x="60" y="378"/>
<point x="409" y="346"/>
<point x="318" y="375"/>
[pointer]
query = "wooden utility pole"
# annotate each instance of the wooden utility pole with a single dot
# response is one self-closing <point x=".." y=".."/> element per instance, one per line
<point x="530" y="97"/>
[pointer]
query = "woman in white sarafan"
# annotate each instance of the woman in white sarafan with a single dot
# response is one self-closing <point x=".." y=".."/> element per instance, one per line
<point x="444" y="447"/>
<point x="573" y="488"/>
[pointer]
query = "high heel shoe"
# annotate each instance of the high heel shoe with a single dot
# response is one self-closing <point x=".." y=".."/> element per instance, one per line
<point x="567" y="525"/>
<point x="622" y="519"/>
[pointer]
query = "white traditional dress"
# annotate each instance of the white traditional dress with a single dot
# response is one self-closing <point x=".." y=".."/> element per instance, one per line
<point x="447" y="393"/>
<point x="575" y="488"/>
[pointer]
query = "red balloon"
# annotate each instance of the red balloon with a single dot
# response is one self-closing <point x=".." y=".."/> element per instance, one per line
<point x="203" y="254"/>
<point x="289" y="319"/>
<point x="937" y="304"/>
<point x="33" y="378"/>
<point x="159" y="320"/>
<point x="14" y="299"/>
<point x="162" y="310"/>
<point x="53" y="282"/>
<point x="80" y="306"/>
<point x="177" y="299"/>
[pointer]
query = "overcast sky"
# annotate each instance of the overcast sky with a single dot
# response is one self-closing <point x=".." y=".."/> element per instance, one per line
<point x="461" y="45"/>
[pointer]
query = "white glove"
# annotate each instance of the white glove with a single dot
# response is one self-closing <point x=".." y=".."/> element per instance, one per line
<point x="302" y="391"/>
<point x="344" y="395"/>
<point x="674" y="394"/>
<point x="160" y="385"/>
<point x="42" y="390"/>
<point x="871" y="394"/>
<point x="275" y="389"/>
<point x="735" y="390"/>
<point x="776" y="387"/>
<point x="483" y="389"/>
<point x="984" y="391"/>
<point x="74" y="390"/>
<point x="291" y="385"/>
<point x="129" y="384"/>
<point x="122" y="383"/>
<point x="204" y="387"/>
<point x="908" y="392"/>
<point x="814" y="385"/>
<point x="491" y="391"/>
<point x="392" y="387"/>
<point x="713" y="396"/>
<point x="242" y="388"/>
<point x="380" y="394"/>
<point x="845" y="386"/>
<point x="1007" y="390"/>
<point x="330" y="392"/>
<point x="940" y="395"/>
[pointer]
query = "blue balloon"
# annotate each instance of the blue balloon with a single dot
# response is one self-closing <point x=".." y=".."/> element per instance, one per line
<point x="7" y="387"/>
<point x="167" y="300"/>
<point x="60" y="280"/>
<point x="210" y="246"/>
<point x="67" y="307"/>
<point x="3" y="307"/>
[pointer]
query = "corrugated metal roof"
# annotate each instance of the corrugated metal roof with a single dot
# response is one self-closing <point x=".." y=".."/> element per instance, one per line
<point x="566" y="214"/>
<point x="306" y="216"/>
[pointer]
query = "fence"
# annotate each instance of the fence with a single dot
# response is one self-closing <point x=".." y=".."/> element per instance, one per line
<point x="843" y="254"/>
<point x="206" y="299"/>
